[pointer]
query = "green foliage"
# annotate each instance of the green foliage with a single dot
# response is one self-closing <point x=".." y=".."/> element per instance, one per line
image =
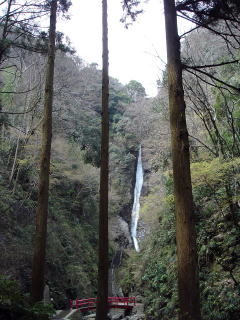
<point x="218" y="237"/>
<point x="214" y="172"/>
<point x="159" y="281"/>
<point x="88" y="137"/>
<point x="220" y="297"/>
<point x="9" y="291"/>
<point x="217" y="217"/>
<point x="8" y="88"/>
<point x="74" y="181"/>
<point x="159" y="276"/>
<point x="135" y="90"/>
<point x="14" y="305"/>
<point x="40" y="311"/>
<point x="72" y="235"/>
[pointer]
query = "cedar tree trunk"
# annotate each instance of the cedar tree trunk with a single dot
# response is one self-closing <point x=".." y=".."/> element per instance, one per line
<point x="39" y="250"/>
<point x="102" y="299"/>
<point x="188" y="282"/>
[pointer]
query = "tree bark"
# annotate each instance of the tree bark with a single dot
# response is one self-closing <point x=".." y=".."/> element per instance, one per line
<point x="39" y="251"/>
<point x="102" y="300"/>
<point x="188" y="282"/>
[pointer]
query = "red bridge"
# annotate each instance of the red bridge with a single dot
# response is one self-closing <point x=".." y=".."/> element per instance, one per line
<point x="114" y="302"/>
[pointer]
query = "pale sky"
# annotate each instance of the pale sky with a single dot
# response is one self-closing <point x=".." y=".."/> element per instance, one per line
<point x="137" y="53"/>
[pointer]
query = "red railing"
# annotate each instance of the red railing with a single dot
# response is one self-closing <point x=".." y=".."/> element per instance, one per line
<point x="114" y="302"/>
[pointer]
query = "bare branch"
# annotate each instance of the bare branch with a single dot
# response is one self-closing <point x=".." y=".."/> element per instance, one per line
<point x="212" y="78"/>
<point x="210" y="65"/>
<point x="204" y="145"/>
<point x="189" y="31"/>
<point x="19" y="92"/>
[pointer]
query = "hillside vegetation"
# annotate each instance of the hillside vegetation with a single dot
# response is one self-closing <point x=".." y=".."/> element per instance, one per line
<point x="213" y="117"/>
<point x="213" y="122"/>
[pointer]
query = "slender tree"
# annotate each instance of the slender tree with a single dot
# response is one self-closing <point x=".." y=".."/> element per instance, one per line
<point x="42" y="206"/>
<point x="188" y="284"/>
<point x="102" y="300"/>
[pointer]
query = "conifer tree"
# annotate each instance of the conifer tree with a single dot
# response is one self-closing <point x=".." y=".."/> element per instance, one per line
<point x="102" y="299"/>
<point x="188" y="283"/>
<point x="42" y="206"/>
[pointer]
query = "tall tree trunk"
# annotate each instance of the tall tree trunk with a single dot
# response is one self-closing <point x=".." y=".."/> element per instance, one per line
<point x="42" y="207"/>
<point x="188" y="282"/>
<point x="102" y="300"/>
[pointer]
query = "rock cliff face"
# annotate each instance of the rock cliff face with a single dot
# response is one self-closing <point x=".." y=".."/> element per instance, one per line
<point x="119" y="232"/>
<point x="120" y="235"/>
<point x="120" y="226"/>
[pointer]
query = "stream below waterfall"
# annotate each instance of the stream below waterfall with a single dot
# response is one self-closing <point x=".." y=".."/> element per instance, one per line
<point x="136" y="203"/>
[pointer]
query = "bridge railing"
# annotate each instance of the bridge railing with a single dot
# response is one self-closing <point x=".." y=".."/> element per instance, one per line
<point x="122" y="300"/>
<point x="90" y="303"/>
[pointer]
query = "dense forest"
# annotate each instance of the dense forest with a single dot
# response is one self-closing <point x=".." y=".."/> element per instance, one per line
<point x="202" y="80"/>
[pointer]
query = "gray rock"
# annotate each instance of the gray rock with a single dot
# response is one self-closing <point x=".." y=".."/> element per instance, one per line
<point x="90" y="316"/>
<point x="119" y="231"/>
<point x="117" y="317"/>
<point x="46" y="295"/>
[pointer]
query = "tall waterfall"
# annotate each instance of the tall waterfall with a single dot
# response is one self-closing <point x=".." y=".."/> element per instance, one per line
<point x="136" y="203"/>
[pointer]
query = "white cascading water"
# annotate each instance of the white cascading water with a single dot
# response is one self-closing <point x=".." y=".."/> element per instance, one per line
<point x="136" y="203"/>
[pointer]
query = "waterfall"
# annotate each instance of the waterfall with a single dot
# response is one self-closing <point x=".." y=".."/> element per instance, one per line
<point x="136" y="203"/>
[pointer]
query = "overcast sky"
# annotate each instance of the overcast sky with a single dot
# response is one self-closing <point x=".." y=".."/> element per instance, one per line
<point x="137" y="53"/>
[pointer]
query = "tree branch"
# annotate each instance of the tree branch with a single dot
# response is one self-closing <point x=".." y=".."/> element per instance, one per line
<point x="212" y="78"/>
<point x="210" y="65"/>
<point x="212" y="151"/>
